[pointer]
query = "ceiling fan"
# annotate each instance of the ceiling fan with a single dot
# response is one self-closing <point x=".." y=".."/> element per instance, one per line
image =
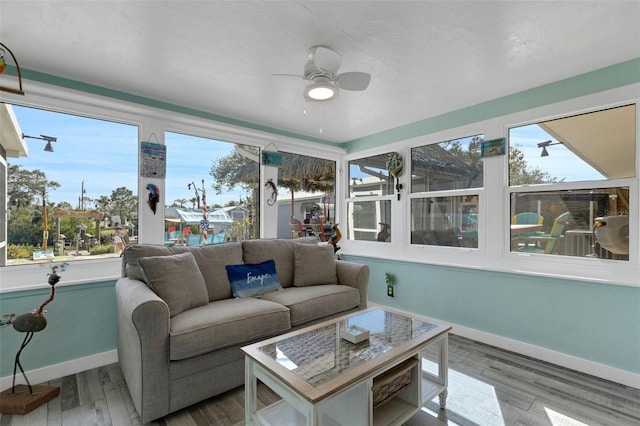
<point x="321" y="70"/>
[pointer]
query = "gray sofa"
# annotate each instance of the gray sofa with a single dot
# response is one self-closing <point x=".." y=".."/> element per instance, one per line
<point x="180" y="329"/>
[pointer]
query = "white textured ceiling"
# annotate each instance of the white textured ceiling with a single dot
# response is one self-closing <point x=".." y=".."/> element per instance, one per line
<point x="425" y="57"/>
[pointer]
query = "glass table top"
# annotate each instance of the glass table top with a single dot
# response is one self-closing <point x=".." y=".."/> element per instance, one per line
<point x="320" y="355"/>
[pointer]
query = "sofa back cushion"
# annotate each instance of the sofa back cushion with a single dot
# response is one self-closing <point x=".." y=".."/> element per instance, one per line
<point x="314" y="265"/>
<point x="130" y="256"/>
<point x="280" y="250"/>
<point x="176" y="279"/>
<point x="210" y="260"/>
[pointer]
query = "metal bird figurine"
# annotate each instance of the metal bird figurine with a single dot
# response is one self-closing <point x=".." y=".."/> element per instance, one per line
<point x="32" y="322"/>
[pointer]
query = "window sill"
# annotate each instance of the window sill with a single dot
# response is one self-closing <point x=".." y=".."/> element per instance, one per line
<point x="600" y="271"/>
<point x="29" y="277"/>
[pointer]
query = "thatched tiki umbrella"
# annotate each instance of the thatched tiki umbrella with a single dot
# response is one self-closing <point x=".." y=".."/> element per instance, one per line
<point x="298" y="173"/>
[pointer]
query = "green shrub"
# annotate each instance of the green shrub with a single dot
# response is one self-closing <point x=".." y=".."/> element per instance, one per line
<point x="19" y="251"/>
<point x="104" y="249"/>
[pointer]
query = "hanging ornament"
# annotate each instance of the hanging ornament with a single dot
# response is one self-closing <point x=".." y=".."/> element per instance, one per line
<point x="3" y="63"/>
<point x="394" y="165"/>
<point x="4" y="50"/>
<point x="153" y="197"/>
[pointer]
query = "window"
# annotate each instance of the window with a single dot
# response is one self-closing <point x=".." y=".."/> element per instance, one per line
<point x="306" y="196"/>
<point x="581" y="222"/>
<point x="222" y="177"/>
<point x="72" y="193"/>
<point x="106" y="159"/>
<point x="445" y="182"/>
<point x="569" y="184"/>
<point x="371" y="189"/>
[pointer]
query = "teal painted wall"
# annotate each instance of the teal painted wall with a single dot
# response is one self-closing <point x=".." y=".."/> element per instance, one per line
<point x="593" y="321"/>
<point x="589" y="320"/>
<point x="81" y="321"/>
<point x="607" y="78"/>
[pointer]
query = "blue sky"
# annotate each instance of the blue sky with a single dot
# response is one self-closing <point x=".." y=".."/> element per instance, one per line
<point x="105" y="156"/>
<point x="561" y="162"/>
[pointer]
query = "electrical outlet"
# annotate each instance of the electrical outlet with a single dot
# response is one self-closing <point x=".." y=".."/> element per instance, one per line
<point x="390" y="290"/>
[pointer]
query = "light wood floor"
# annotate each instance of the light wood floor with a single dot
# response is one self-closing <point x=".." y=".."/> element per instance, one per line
<point x="487" y="386"/>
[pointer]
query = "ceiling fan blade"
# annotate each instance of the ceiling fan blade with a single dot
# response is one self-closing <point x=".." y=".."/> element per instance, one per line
<point x="353" y="80"/>
<point x="325" y="59"/>
<point x="289" y="75"/>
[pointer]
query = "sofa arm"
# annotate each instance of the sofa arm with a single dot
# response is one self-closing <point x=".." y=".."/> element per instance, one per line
<point x="354" y="275"/>
<point x="143" y="347"/>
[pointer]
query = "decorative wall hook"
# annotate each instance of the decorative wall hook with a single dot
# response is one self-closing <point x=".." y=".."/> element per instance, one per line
<point x="3" y="65"/>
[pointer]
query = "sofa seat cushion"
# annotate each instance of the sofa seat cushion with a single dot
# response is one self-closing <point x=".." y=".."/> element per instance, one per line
<point x="225" y="323"/>
<point x="315" y="302"/>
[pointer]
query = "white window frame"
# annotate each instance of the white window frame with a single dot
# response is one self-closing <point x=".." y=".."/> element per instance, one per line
<point x="396" y="219"/>
<point x="494" y="254"/>
<point x="478" y="191"/>
<point x="150" y="121"/>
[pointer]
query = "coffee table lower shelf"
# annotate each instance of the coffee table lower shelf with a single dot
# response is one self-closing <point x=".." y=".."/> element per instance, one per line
<point x="395" y="411"/>
<point x="352" y="406"/>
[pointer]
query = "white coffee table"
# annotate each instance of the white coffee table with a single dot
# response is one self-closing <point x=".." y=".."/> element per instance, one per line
<point x="326" y="380"/>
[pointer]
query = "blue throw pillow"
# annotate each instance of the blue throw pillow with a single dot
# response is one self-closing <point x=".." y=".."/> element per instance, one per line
<point x="253" y="279"/>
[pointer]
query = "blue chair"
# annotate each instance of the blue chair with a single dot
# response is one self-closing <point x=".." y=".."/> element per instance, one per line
<point x="546" y="243"/>
<point x="527" y="218"/>
<point x="218" y="238"/>
<point x="194" y="239"/>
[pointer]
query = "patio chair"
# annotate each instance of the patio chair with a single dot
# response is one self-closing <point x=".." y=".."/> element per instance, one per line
<point x="218" y="238"/>
<point x="317" y="229"/>
<point x="297" y="230"/>
<point x="546" y="243"/>
<point x="527" y="218"/>
<point x="194" y="239"/>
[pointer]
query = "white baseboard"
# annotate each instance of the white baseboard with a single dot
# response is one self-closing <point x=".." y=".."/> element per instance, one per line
<point x="606" y="372"/>
<point x="582" y="365"/>
<point x="56" y="371"/>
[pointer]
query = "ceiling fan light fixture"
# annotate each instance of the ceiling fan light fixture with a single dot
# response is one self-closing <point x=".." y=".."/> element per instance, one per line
<point x="320" y="89"/>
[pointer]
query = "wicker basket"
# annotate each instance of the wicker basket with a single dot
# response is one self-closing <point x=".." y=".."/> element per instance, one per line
<point x="393" y="381"/>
